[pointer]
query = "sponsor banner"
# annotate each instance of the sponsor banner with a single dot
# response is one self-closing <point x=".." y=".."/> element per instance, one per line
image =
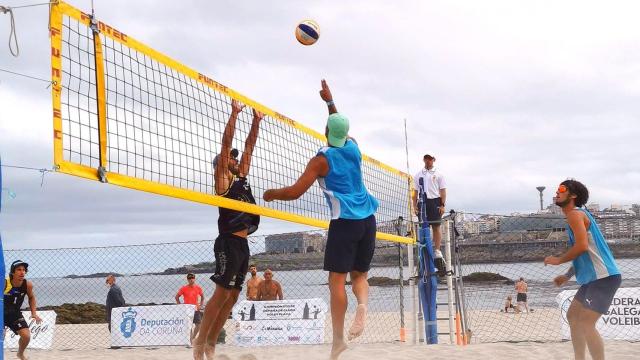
<point x="41" y="334"/>
<point x="283" y="322"/>
<point x="151" y="325"/>
<point x="621" y="322"/>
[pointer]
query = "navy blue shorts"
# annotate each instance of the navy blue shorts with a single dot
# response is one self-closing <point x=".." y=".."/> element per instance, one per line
<point x="430" y="212"/>
<point x="597" y="295"/>
<point x="232" y="261"/>
<point x="15" y="321"/>
<point x="350" y="245"/>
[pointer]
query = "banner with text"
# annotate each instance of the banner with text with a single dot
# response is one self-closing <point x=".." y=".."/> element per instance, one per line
<point x="41" y="334"/>
<point x="283" y="322"/>
<point x="151" y="325"/>
<point x="621" y="322"/>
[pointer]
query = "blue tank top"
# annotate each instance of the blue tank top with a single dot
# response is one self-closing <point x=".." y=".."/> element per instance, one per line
<point x="343" y="186"/>
<point x="597" y="262"/>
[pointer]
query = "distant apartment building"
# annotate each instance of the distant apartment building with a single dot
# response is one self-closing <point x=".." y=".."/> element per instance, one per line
<point x="483" y="225"/>
<point x="593" y="207"/>
<point x="619" y="222"/>
<point x="297" y="242"/>
<point x="533" y="222"/>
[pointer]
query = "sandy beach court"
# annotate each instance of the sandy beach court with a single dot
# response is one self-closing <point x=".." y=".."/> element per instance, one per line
<point x="495" y="351"/>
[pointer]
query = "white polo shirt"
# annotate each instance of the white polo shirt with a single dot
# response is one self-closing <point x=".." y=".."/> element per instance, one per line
<point x="433" y="181"/>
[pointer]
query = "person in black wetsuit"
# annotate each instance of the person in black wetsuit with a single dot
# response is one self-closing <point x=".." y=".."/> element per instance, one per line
<point x="13" y="299"/>
<point x="231" y="247"/>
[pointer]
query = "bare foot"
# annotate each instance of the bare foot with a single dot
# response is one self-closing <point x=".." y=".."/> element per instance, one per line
<point x="198" y="351"/>
<point x="209" y="350"/>
<point x="21" y="356"/>
<point x="357" y="327"/>
<point x="337" y="349"/>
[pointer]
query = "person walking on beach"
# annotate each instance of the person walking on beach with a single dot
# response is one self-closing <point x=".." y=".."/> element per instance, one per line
<point x="193" y="295"/>
<point x="114" y="298"/>
<point x="521" y="297"/>
<point x="252" y="283"/>
<point x="269" y="289"/>
<point x="19" y="287"/>
<point x="231" y="248"/>
<point x="592" y="264"/>
<point x="429" y="199"/>
<point x="352" y="230"/>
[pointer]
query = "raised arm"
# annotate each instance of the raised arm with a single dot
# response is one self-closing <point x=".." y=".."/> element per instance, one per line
<point x="317" y="167"/>
<point x="222" y="165"/>
<point x="325" y="94"/>
<point x="250" y="143"/>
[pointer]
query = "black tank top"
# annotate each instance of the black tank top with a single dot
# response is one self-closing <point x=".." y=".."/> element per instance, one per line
<point x="231" y="221"/>
<point x="14" y="299"/>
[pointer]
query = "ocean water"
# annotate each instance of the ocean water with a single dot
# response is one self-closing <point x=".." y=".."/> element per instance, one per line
<point x="312" y="283"/>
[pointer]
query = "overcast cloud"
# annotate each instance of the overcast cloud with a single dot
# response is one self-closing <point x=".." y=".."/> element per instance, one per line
<point x="508" y="95"/>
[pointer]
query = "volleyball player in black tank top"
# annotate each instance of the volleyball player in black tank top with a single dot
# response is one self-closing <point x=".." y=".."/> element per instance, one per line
<point x="19" y="288"/>
<point x="231" y="248"/>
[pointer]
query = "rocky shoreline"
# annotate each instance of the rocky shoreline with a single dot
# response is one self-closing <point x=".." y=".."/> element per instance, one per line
<point x="388" y="256"/>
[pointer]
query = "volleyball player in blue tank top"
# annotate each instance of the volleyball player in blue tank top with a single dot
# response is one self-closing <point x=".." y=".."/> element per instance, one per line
<point x="593" y="265"/>
<point x="352" y="230"/>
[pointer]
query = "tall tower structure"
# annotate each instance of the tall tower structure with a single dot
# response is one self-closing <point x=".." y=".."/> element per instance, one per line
<point x="541" y="189"/>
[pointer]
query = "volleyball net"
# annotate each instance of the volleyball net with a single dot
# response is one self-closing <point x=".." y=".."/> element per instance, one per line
<point x="128" y="115"/>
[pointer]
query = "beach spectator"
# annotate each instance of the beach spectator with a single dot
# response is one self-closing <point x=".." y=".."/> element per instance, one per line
<point x="521" y="297"/>
<point x="269" y="289"/>
<point x="13" y="299"/>
<point x="252" y="284"/>
<point x="193" y="295"/>
<point x="429" y="199"/>
<point x="337" y="167"/>
<point x="508" y="304"/>
<point x="114" y="298"/>
<point x="592" y="264"/>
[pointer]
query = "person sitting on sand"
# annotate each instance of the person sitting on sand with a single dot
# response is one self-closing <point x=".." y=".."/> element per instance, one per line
<point x="508" y="304"/>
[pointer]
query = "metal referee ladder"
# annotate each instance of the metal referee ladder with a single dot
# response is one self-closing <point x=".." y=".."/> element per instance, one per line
<point x="456" y="326"/>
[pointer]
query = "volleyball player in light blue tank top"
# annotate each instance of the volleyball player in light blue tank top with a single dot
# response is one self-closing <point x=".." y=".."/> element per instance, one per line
<point x="343" y="187"/>
<point x="597" y="262"/>
<point x="593" y="265"/>
<point x="352" y="230"/>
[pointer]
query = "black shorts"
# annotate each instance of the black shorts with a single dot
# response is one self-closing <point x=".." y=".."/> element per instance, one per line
<point x="430" y="212"/>
<point x="15" y="321"/>
<point x="597" y="295"/>
<point x="521" y="297"/>
<point x="350" y="245"/>
<point x="197" y="317"/>
<point x="232" y="261"/>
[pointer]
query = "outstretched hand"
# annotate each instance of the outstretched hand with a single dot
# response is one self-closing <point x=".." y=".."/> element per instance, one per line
<point x="257" y="115"/>
<point x="269" y="195"/>
<point x="325" y="92"/>
<point x="236" y="106"/>
<point x="552" y="260"/>
<point x="560" y="280"/>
